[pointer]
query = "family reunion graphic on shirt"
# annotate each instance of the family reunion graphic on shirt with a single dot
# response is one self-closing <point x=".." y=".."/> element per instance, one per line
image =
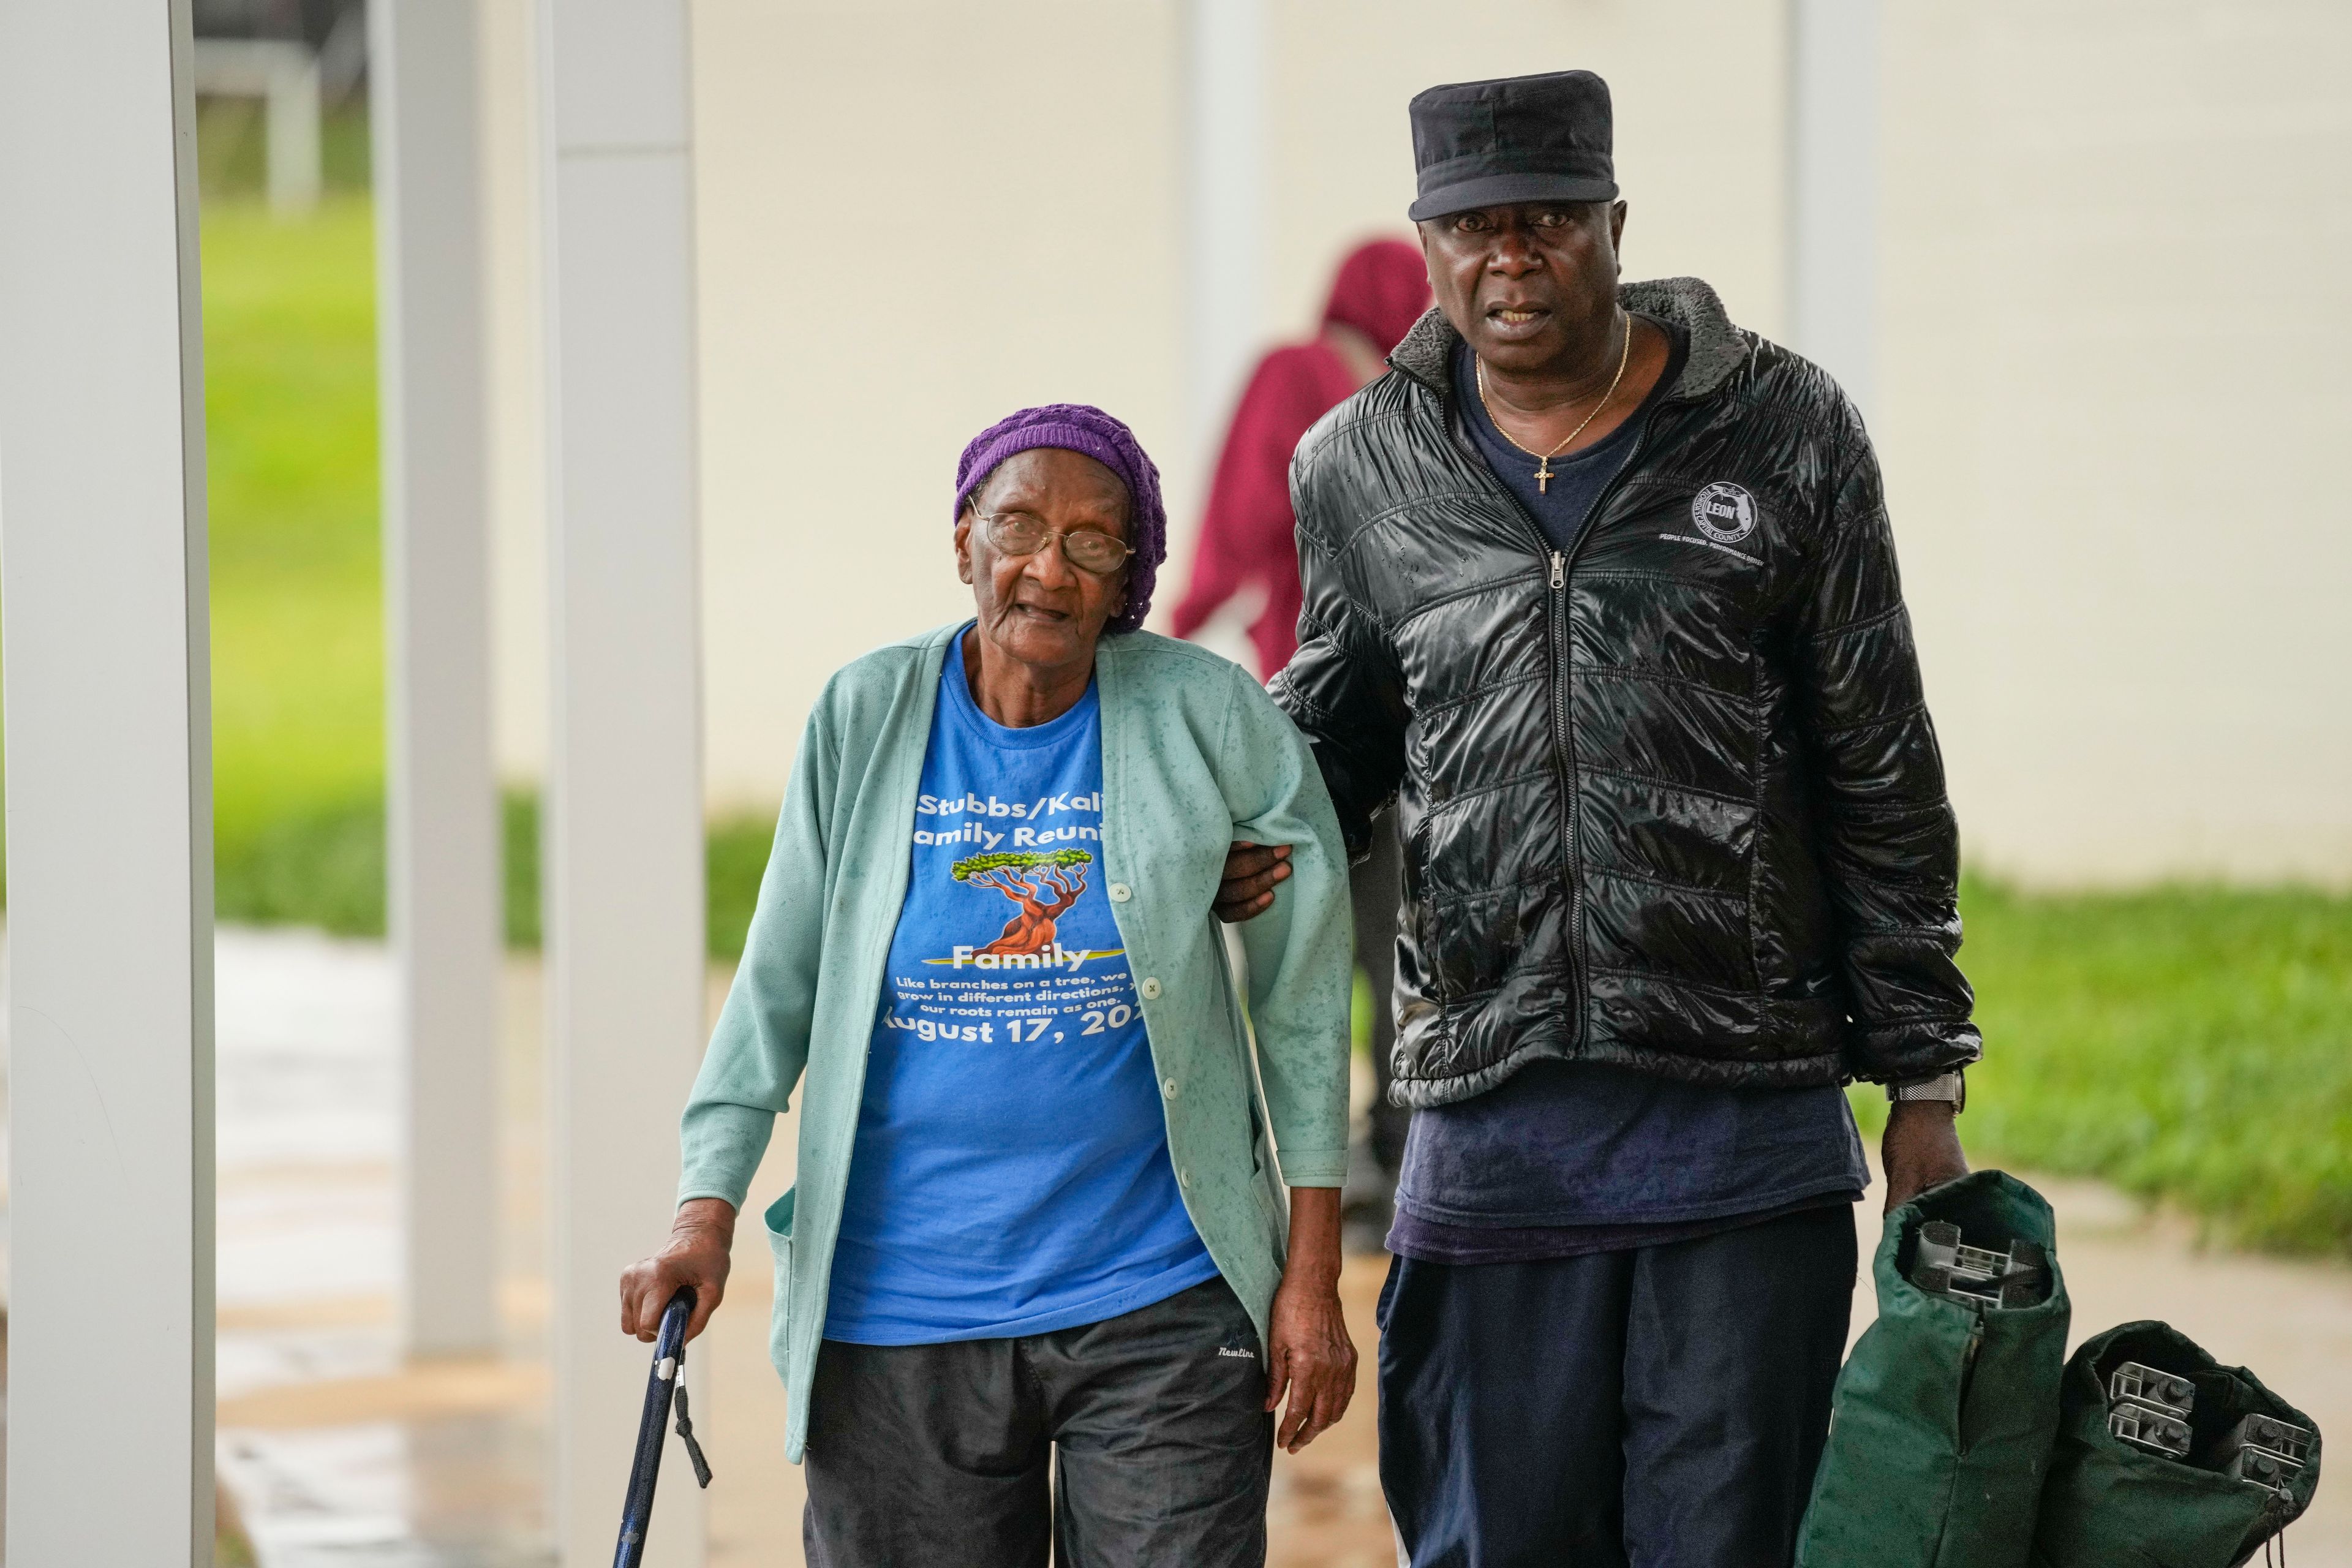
<point x="1017" y="976"/>
<point x="1042" y="887"/>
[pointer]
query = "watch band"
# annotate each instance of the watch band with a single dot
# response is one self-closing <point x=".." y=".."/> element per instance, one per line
<point x="1952" y="1087"/>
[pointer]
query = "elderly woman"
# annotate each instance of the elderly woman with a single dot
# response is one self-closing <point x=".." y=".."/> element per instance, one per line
<point x="1038" y="1213"/>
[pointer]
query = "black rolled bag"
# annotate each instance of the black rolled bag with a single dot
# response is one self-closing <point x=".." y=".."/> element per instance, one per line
<point x="2109" y="1504"/>
<point x="1941" y="1424"/>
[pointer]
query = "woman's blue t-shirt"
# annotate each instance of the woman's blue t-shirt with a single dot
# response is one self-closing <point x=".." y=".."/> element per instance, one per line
<point x="1011" y="1172"/>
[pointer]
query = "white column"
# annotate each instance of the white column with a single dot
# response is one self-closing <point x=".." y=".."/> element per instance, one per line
<point x="109" y="789"/>
<point x="624" y="836"/>
<point x="1224" y="195"/>
<point x="1834" y="188"/>
<point x="290" y="125"/>
<point x="443" y="851"/>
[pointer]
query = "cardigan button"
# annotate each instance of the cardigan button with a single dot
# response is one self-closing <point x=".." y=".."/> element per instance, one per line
<point x="1120" y="892"/>
<point x="1184" y="1180"/>
<point x="1171" y="1087"/>
<point x="1149" y="989"/>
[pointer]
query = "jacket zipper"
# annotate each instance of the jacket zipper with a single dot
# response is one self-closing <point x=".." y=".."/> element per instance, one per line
<point x="1564" y="748"/>
<point x="1564" y="731"/>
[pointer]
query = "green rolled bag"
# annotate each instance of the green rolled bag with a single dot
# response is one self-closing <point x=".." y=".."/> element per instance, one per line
<point x="1943" y="1417"/>
<point x="2107" y="1504"/>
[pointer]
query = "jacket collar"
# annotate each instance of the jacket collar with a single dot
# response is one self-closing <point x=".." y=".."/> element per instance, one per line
<point x="1716" y="347"/>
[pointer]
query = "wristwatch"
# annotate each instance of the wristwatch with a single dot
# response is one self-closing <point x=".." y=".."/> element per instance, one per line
<point x="1951" y="1086"/>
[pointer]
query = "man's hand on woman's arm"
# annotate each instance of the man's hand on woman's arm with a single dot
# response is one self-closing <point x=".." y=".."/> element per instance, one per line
<point x="1309" y="1354"/>
<point x="1251" y="872"/>
<point x="697" y="1255"/>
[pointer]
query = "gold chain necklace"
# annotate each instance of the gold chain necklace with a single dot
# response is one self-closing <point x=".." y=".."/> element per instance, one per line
<point x="1543" y="459"/>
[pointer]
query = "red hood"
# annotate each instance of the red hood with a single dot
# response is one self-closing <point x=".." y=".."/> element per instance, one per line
<point x="1382" y="290"/>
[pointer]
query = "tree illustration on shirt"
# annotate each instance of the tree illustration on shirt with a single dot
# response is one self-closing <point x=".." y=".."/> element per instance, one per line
<point x="1044" y="885"/>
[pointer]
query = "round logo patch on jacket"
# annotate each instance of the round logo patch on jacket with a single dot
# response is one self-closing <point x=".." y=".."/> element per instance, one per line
<point x="1724" y="512"/>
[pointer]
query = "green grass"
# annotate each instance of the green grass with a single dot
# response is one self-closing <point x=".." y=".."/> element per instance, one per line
<point x="2188" y="1044"/>
<point x="297" y="575"/>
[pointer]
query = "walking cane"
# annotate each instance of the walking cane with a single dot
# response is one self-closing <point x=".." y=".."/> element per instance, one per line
<point x="666" y="1381"/>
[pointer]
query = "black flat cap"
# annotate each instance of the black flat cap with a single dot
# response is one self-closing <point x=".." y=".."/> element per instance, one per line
<point x="1516" y="139"/>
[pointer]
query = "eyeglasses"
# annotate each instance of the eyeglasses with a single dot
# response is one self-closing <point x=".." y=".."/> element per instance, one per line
<point x="1022" y="533"/>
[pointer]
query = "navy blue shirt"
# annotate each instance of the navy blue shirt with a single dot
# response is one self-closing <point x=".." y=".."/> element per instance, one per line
<point x="1565" y="1158"/>
<point x="1560" y="504"/>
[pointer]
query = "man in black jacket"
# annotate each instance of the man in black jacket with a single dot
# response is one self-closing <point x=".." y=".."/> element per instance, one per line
<point x="1599" y="589"/>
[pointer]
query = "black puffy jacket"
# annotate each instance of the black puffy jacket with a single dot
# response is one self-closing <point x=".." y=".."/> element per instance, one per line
<point x="1671" y="800"/>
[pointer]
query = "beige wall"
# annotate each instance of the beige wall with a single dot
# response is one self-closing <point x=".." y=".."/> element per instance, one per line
<point x="915" y="217"/>
<point x="2114" y="323"/>
<point x="2108" y="458"/>
<point x="1698" y="87"/>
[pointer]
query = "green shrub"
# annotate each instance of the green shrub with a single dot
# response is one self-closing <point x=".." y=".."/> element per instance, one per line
<point x="325" y="868"/>
<point x="737" y="858"/>
<point x="518" y="867"/>
<point x="322" y="866"/>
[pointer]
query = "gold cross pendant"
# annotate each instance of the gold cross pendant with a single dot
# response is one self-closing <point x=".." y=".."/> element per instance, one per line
<point x="1543" y="476"/>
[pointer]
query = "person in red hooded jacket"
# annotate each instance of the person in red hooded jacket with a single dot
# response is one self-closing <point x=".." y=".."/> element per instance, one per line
<point x="1245" y="539"/>
<point x="1246" y="542"/>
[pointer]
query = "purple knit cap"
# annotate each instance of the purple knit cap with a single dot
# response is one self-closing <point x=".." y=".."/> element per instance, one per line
<point x="1077" y="427"/>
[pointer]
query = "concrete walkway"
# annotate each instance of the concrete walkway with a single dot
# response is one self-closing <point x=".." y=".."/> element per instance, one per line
<point x="337" y="1454"/>
<point x="334" y="1452"/>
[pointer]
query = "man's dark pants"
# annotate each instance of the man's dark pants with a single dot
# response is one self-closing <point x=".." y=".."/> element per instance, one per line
<point x="1660" y="1407"/>
<point x="931" y="1455"/>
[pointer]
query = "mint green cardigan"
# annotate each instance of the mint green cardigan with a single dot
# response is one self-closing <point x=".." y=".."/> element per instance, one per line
<point x="1195" y="755"/>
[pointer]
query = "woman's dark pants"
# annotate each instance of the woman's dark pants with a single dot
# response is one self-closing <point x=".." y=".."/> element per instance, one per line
<point x="1659" y="1407"/>
<point x="936" y="1456"/>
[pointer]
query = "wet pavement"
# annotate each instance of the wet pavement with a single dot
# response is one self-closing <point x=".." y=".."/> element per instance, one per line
<point x="336" y="1453"/>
